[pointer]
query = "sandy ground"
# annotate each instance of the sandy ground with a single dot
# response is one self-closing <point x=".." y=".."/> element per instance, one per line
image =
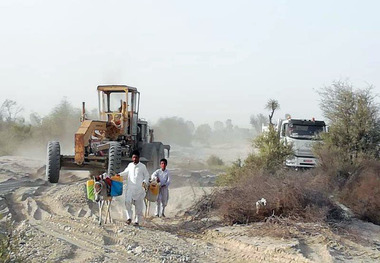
<point x="56" y="223"/>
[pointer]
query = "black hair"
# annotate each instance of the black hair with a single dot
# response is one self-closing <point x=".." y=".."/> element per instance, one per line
<point x="136" y="152"/>
<point x="164" y="160"/>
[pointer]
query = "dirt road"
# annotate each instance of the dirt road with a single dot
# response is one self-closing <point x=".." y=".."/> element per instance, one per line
<point x="56" y="223"/>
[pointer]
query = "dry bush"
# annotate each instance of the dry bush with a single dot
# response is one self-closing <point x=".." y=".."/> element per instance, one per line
<point x="305" y="195"/>
<point x="362" y="192"/>
<point x="204" y="206"/>
<point x="291" y="194"/>
<point x="333" y="171"/>
<point x="357" y="185"/>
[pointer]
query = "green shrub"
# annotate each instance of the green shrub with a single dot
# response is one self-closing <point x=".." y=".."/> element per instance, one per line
<point x="272" y="153"/>
<point x="270" y="157"/>
<point x="214" y="160"/>
<point x="354" y="126"/>
<point x="232" y="174"/>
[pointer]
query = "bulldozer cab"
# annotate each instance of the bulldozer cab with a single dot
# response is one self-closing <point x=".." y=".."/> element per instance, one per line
<point x="119" y="104"/>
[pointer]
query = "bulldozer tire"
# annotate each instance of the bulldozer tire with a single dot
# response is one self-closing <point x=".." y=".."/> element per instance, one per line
<point x="53" y="163"/>
<point x="114" y="159"/>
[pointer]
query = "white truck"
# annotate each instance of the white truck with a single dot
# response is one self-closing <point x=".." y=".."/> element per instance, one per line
<point x="302" y="135"/>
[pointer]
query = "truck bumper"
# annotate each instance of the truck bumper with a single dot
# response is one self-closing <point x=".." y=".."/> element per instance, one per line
<point x="304" y="162"/>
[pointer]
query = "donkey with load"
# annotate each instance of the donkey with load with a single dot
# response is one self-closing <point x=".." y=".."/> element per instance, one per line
<point x="102" y="189"/>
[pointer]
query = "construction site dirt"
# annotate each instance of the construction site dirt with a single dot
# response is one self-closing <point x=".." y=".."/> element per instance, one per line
<point x="56" y="223"/>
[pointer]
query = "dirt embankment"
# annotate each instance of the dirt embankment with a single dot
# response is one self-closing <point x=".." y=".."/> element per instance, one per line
<point x="56" y="223"/>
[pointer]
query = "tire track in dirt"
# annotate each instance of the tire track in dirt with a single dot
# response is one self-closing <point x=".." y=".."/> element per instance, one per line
<point x="44" y="212"/>
<point x="40" y="211"/>
<point x="95" y="245"/>
<point x="239" y="249"/>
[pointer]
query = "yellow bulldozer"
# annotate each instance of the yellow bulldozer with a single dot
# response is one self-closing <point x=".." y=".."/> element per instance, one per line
<point x="106" y="145"/>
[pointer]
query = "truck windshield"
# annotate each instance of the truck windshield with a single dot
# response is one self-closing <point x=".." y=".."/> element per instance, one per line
<point x="304" y="131"/>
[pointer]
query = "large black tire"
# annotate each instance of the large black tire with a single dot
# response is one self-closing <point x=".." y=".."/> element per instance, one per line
<point x="114" y="159"/>
<point x="149" y="151"/>
<point x="53" y="162"/>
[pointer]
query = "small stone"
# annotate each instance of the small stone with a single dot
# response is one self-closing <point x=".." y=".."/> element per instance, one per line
<point x="138" y="250"/>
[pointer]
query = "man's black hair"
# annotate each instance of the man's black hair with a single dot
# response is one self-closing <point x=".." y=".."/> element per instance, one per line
<point x="136" y="152"/>
<point x="164" y="160"/>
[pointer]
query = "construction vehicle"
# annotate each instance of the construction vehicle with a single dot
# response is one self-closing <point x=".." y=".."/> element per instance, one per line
<point x="302" y="135"/>
<point x="106" y="145"/>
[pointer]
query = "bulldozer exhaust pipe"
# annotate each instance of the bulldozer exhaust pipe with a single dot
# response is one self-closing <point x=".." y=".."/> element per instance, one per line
<point x="82" y="118"/>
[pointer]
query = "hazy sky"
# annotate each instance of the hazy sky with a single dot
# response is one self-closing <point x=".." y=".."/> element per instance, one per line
<point x="200" y="60"/>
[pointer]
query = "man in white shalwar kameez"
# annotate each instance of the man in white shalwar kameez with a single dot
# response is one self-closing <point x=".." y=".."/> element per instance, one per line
<point x="136" y="178"/>
<point x="162" y="176"/>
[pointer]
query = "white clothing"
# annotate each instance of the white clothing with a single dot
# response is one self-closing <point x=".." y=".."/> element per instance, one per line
<point x="163" y="196"/>
<point x="139" y="207"/>
<point x="162" y="200"/>
<point x="135" y="175"/>
<point x="163" y="177"/>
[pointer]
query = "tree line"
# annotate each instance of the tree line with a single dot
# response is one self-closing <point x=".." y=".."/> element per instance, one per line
<point x="17" y="134"/>
<point x="176" y="130"/>
<point x="352" y="116"/>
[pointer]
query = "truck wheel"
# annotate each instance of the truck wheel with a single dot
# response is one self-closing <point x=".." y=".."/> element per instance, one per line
<point x="53" y="162"/>
<point x="114" y="158"/>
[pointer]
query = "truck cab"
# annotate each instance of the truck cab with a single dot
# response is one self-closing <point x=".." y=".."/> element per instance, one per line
<point x="302" y="135"/>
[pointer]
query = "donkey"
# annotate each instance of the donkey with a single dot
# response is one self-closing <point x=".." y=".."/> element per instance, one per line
<point x="152" y="191"/>
<point x="101" y="197"/>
